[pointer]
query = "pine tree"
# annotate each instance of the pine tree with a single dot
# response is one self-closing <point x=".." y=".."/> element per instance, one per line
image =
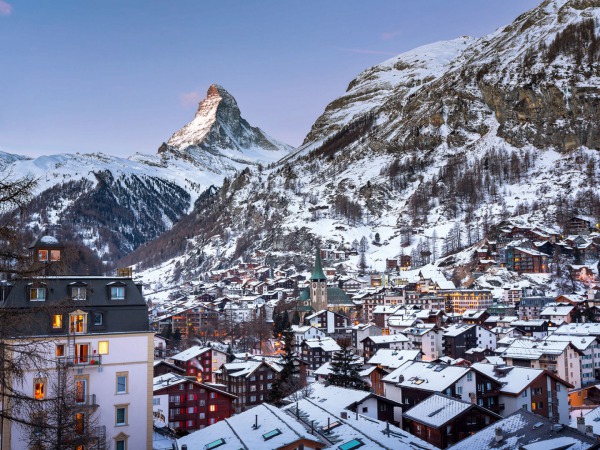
<point x="345" y="367"/>
<point x="296" y="318"/>
<point x="288" y="380"/>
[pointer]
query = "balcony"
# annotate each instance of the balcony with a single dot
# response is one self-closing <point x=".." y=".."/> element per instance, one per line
<point x="86" y="401"/>
<point x="89" y="360"/>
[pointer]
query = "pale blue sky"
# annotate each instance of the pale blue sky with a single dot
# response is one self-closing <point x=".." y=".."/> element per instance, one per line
<point x="120" y="76"/>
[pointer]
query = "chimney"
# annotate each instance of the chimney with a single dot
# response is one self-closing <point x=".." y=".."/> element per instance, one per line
<point x="499" y="434"/>
<point x="581" y="423"/>
<point x="589" y="430"/>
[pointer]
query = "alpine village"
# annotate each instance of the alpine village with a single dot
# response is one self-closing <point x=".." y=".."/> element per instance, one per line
<point x="423" y="272"/>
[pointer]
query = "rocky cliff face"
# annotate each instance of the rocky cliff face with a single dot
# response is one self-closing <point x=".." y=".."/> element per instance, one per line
<point x="220" y="140"/>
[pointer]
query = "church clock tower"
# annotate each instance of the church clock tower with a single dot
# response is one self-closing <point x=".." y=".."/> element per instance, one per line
<point x="318" y="285"/>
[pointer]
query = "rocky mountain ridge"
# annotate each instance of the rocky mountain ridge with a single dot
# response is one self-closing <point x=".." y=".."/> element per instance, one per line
<point x="427" y="150"/>
<point x="116" y="204"/>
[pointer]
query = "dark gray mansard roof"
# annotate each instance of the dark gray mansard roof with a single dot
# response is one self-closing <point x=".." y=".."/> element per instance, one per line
<point x="127" y="315"/>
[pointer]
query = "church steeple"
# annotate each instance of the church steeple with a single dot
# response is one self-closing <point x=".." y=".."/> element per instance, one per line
<point x="317" y="273"/>
<point x="318" y="285"/>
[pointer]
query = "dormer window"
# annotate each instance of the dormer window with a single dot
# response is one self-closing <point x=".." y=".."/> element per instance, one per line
<point x="42" y="255"/>
<point x="116" y="291"/>
<point x="37" y="294"/>
<point x="54" y="255"/>
<point x="78" y="322"/>
<point x="78" y="292"/>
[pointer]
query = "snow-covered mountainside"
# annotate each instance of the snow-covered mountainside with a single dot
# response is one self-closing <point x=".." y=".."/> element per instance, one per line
<point x="424" y="153"/>
<point x="219" y="139"/>
<point x="116" y="204"/>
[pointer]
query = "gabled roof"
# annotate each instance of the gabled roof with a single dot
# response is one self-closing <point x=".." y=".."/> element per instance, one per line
<point x="275" y="429"/>
<point x="327" y="344"/>
<point x="190" y="353"/>
<point x="525" y="430"/>
<point x="173" y="379"/>
<point x="393" y="359"/>
<point x="427" y="376"/>
<point x="515" y="379"/>
<point x="438" y="409"/>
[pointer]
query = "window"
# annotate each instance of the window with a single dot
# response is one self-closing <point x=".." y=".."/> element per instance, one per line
<point x="120" y="444"/>
<point x="365" y="409"/>
<point x="78" y="293"/>
<point x="212" y="408"/>
<point x="524" y="394"/>
<point x="38" y="424"/>
<point x="57" y="320"/>
<point x="120" y="415"/>
<point x="156" y="401"/>
<point x="80" y="390"/>
<point x="78" y="322"/>
<point x="117" y="292"/>
<point x="42" y="255"/>
<point x="98" y="318"/>
<point x="60" y="350"/>
<point x="37" y="294"/>
<point x="192" y="410"/>
<point x="82" y="353"/>
<point x="202" y="415"/>
<point x="122" y="383"/>
<point x="459" y="390"/>
<point x="469" y="376"/>
<point x="103" y="347"/>
<point x="54" y="255"/>
<point x="80" y="423"/>
<point x="39" y="389"/>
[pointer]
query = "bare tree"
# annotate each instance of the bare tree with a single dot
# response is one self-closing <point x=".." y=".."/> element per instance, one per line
<point x="63" y="415"/>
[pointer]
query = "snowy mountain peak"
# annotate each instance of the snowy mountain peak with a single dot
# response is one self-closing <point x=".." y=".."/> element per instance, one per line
<point x="220" y="139"/>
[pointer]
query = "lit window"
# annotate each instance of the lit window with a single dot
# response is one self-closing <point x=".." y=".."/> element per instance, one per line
<point x="117" y="293"/>
<point x="60" y="350"/>
<point x="80" y="390"/>
<point x="54" y="255"/>
<point x="103" y="348"/>
<point x="78" y="323"/>
<point x="57" y="321"/>
<point x="212" y="408"/>
<point x="42" y="255"/>
<point x="39" y="389"/>
<point x="82" y="353"/>
<point x="80" y="423"/>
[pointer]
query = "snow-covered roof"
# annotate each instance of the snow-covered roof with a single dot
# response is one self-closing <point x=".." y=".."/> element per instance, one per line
<point x="514" y="379"/>
<point x="49" y="240"/>
<point x="525" y="430"/>
<point x="427" y="376"/>
<point x="190" y="353"/>
<point x="562" y="311"/>
<point x="581" y="329"/>
<point x="437" y="410"/>
<point x="473" y="313"/>
<point x="275" y="429"/>
<point x="326" y="343"/>
<point x="325" y="405"/>
<point x="393" y="359"/>
<point x="456" y="330"/>
<point x="386" y="339"/>
<point x="168" y="379"/>
<point x="533" y="349"/>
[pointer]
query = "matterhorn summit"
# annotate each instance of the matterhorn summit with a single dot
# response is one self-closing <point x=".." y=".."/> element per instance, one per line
<point x="220" y="139"/>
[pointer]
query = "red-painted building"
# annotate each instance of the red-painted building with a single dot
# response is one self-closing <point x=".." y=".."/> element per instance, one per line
<point x="188" y="405"/>
<point x="200" y="362"/>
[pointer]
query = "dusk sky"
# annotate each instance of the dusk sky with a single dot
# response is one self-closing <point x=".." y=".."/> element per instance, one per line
<point x="120" y="76"/>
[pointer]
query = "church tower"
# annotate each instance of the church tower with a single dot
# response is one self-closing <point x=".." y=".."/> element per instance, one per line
<point x="318" y="285"/>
